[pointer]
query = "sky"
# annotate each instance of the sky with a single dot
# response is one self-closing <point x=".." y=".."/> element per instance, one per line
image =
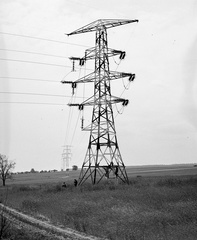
<point x="159" y="126"/>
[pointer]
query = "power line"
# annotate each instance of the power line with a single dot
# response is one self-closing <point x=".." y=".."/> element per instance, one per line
<point x="75" y="128"/>
<point x="23" y="61"/>
<point x="43" y="54"/>
<point x="55" y="104"/>
<point x="30" y="79"/>
<point x="44" y="39"/>
<point x="37" y="94"/>
<point x="32" y="62"/>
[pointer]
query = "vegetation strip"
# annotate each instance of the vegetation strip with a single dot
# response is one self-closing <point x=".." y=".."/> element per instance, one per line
<point x="46" y="226"/>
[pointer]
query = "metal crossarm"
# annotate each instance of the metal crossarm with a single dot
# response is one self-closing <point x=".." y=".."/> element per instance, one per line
<point x="92" y="101"/>
<point x="101" y="24"/>
<point x="91" y="53"/>
<point x="104" y="76"/>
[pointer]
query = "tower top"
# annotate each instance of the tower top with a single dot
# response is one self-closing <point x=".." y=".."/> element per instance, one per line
<point x="102" y="23"/>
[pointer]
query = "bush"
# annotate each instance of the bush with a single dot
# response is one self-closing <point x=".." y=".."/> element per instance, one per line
<point x="74" y="167"/>
<point x="4" y="226"/>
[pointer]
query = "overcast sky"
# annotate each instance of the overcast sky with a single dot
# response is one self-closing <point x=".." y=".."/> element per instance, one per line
<point x="159" y="126"/>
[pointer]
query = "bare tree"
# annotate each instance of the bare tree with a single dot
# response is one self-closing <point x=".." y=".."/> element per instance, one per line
<point x="6" y="168"/>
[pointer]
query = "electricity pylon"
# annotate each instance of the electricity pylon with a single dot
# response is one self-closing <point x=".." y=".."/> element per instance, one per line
<point x="66" y="157"/>
<point x="103" y="158"/>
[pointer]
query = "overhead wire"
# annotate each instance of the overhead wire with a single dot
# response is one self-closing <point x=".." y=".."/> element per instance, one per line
<point x="116" y="63"/>
<point x="126" y="87"/>
<point x="82" y="117"/>
<point x="75" y="129"/>
<point x="74" y="98"/>
<point x="69" y="115"/>
<point x="78" y="144"/>
<point x="44" y="39"/>
<point x="67" y="127"/>
<point x="119" y="111"/>
<point x="66" y="75"/>
<point x="32" y="103"/>
<point x="69" y="119"/>
<point x="35" y="94"/>
<point x="31" y="79"/>
<point x="29" y="52"/>
<point x="32" y="62"/>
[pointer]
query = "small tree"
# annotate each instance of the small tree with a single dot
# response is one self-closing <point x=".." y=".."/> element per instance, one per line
<point x="32" y="170"/>
<point x="6" y="168"/>
<point x="75" y="167"/>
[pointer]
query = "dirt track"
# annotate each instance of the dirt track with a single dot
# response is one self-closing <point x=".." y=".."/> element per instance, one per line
<point x="44" y="227"/>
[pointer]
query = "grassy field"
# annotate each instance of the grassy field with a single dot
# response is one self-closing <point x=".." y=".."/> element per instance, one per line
<point x="159" y="203"/>
<point x="145" y="171"/>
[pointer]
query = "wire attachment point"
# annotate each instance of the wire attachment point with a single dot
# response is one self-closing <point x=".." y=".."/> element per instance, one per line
<point x="74" y="85"/>
<point x="132" y="77"/>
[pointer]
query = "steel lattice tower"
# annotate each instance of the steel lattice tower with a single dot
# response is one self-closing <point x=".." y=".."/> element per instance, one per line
<point x="66" y="158"/>
<point x="103" y="158"/>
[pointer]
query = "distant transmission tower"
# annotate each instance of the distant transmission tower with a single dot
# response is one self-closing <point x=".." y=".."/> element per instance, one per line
<point x="66" y="157"/>
<point x="103" y="158"/>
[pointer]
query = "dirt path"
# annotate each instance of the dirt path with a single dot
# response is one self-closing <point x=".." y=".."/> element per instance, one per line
<point x="46" y="228"/>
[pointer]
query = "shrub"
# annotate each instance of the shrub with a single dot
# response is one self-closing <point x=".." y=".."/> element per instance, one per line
<point x="4" y="225"/>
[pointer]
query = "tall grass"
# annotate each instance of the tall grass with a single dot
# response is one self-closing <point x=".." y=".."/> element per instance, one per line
<point x="147" y="208"/>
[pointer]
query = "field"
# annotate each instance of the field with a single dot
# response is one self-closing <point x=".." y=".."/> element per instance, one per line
<point x="134" y="171"/>
<point x="159" y="203"/>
